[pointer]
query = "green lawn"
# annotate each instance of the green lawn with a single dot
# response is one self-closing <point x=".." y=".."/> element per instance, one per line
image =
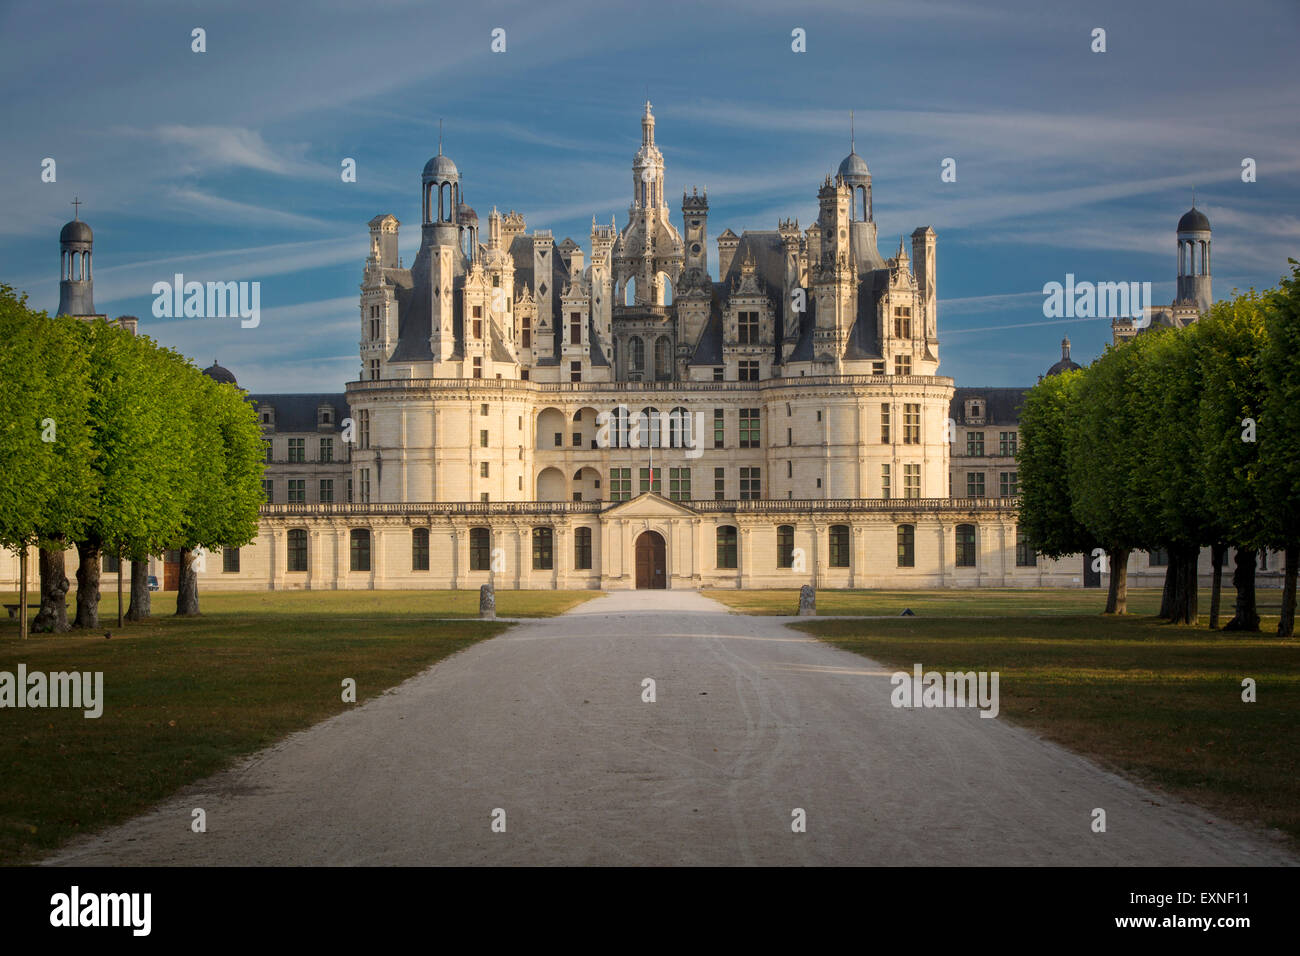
<point x="1158" y="702"/>
<point x="186" y="697"/>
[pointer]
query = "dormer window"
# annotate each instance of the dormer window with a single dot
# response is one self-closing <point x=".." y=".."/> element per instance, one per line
<point x="975" y="410"/>
<point x="266" y="414"/>
<point x="324" y="416"/>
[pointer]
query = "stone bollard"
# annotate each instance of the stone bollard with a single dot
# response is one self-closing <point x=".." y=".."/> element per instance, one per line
<point x="807" y="601"/>
<point x="487" y="603"/>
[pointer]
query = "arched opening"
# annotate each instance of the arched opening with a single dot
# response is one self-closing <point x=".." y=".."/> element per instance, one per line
<point x="651" y="561"/>
<point x="586" y="485"/>
<point x="550" y="485"/>
<point x="550" y="430"/>
<point x="585" y="427"/>
<point x="647" y="429"/>
<point x="679" y="429"/>
<point x="635" y="354"/>
<point x="663" y="359"/>
<point x="665" y="288"/>
<point x="629" y="291"/>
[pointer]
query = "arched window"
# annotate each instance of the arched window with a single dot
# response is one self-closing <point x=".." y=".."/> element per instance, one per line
<point x="480" y="549"/>
<point x="839" y="541"/>
<point x="679" y="428"/>
<point x="727" y="547"/>
<point x="297" y="549"/>
<point x="618" y="427"/>
<point x="543" y="549"/>
<point x="663" y="359"/>
<point x="785" y="546"/>
<point x="965" y="546"/>
<point x="907" y="545"/>
<point x="635" y="354"/>
<point x="648" y="428"/>
<point x="360" y="549"/>
<point x="420" y="549"/>
<point x="582" y="549"/>
<point x="629" y="291"/>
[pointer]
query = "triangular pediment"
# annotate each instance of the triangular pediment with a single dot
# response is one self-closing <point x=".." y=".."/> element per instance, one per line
<point x="649" y="505"/>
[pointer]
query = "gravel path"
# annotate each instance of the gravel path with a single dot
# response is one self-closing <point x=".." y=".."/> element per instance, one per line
<point x="751" y="721"/>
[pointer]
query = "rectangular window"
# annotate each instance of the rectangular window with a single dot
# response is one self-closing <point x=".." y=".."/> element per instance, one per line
<point x="420" y="549"/>
<point x="478" y="326"/>
<point x="349" y="491"/>
<point x="482" y="469"/>
<point x="727" y="547"/>
<point x="543" y="554"/>
<point x="911" y="481"/>
<point x="268" y="490"/>
<point x="478" y="367"/>
<point x="327" y="449"/>
<point x="297" y="550"/>
<point x="360" y="550"/>
<point x="749" y="423"/>
<point x="911" y="424"/>
<point x="365" y="486"/>
<point x="1007" y="442"/>
<point x="749" y="371"/>
<point x="482" y="438"/>
<point x="363" y="428"/>
<point x="576" y="437"/>
<point x="751" y="485"/>
<point x="679" y="484"/>
<point x="1008" y="484"/>
<point x="719" y="429"/>
<point x="1026" y="556"/>
<point x="885" y="477"/>
<point x="483" y="410"/>
<point x="839" y="546"/>
<point x="965" y="546"/>
<point x="483" y="497"/>
<point x="526" y="332"/>
<point x="884" y="423"/>
<point x="719" y="483"/>
<point x="902" y="365"/>
<point x="230" y="560"/>
<point x="327" y="491"/>
<point x="1159" y="558"/>
<point x="902" y="322"/>
<point x="559" y="439"/>
<point x="647" y="484"/>
<point x="719" y="373"/>
<point x="620" y="484"/>
<point x="480" y="549"/>
<point x="975" y="484"/>
<point x="575" y="328"/>
<point x="297" y="450"/>
<point x="575" y="371"/>
<point x="582" y="549"/>
<point x="297" y="491"/>
<point x="975" y="444"/>
<point x="374" y="370"/>
<point x="907" y="546"/>
<point x="747" y="327"/>
<point x="374" y="329"/>
<point x="785" y="546"/>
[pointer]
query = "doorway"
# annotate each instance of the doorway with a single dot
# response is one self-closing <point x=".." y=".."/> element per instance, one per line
<point x="650" y="561"/>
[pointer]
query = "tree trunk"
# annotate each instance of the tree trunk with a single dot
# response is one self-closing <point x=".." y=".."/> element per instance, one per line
<point x="120" y="609"/>
<point x="1216" y="590"/>
<point x="1286" y="623"/>
<point x="187" y="592"/>
<point x="1189" y="603"/>
<point x="1171" y="580"/>
<point x="1117" y="595"/>
<point x="87" y="584"/>
<point x="139" y="609"/>
<point x="52" y="618"/>
<point x="22" y="591"/>
<point x="1243" y="579"/>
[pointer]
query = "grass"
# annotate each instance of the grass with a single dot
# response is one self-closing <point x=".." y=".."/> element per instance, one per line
<point x="1158" y="702"/>
<point x="185" y="698"/>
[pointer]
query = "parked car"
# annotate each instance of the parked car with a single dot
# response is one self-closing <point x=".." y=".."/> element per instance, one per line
<point x="153" y="582"/>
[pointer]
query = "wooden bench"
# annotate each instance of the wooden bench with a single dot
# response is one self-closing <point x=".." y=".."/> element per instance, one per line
<point x="13" y="610"/>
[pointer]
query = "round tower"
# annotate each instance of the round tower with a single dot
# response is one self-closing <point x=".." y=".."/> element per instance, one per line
<point x="76" y="276"/>
<point x="1194" y="259"/>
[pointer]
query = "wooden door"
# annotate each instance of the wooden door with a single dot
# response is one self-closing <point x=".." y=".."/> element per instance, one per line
<point x="171" y="570"/>
<point x="650" y="561"/>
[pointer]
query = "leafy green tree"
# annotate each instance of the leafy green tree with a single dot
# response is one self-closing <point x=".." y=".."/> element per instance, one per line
<point x="1232" y="337"/>
<point x="1046" y="516"/>
<point x="1100" y="450"/>
<point x="45" y="447"/>
<point x="226" y="491"/>
<point x="1168" y="482"/>
<point x="1279" y="434"/>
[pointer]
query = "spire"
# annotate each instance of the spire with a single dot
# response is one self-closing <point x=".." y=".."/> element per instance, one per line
<point x="440" y="136"/>
<point x="1065" y="349"/>
<point x="647" y="126"/>
<point x="853" y="139"/>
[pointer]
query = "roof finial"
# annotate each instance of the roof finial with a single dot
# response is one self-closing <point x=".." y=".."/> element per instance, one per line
<point x="439" y="136"/>
<point x="1193" y="197"/>
<point x="76" y="207"/>
<point x="853" y="138"/>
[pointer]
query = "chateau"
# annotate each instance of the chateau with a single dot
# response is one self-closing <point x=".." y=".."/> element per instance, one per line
<point x="548" y="417"/>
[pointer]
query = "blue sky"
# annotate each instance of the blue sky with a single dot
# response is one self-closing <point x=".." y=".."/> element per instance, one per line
<point x="225" y="165"/>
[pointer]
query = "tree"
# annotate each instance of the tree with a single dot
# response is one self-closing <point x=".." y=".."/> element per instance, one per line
<point x="45" y="448"/>
<point x="1168" y="482"/>
<point x="1046" y="515"/>
<point x="226" y="493"/>
<point x="1232" y="336"/>
<point x="1279" y="434"/>
<point x="1100" y="450"/>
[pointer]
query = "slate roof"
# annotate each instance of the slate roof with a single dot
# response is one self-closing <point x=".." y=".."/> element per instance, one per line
<point x="1001" y="405"/>
<point x="296" y="411"/>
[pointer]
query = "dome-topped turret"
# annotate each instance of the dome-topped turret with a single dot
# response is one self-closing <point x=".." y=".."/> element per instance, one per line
<point x="218" y="374"/>
<point x="1194" y="221"/>
<point x="465" y="214"/>
<point x="76" y="231"/>
<point x="440" y="168"/>
<point x="853" y="167"/>
<point x="1066" y="364"/>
